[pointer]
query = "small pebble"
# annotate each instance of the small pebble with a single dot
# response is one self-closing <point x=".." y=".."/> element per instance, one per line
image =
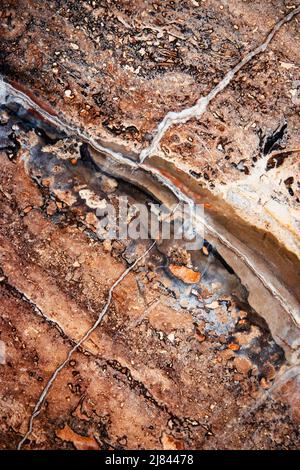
<point x="200" y="337"/>
<point x="4" y="117"/>
<point x="264" y="383"/>
<point x="108" y="185"/>
<point x="107" y="245"/>
<point x="269" y="371"/>
<point x="2" y="353"/>
<point x="51" y="209"/>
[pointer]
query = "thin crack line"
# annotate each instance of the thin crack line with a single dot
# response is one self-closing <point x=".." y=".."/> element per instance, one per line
<point x="114" y="364"/>
<point x="202" y="103"/>
<point x="40" y="402"/>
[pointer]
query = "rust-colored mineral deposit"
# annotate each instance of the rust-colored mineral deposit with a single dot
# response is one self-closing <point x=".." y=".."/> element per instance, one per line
<point x="118" y="117"/>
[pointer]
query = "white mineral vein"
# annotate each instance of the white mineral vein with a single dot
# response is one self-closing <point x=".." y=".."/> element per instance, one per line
<point x="201" y="105"/>
<point x="284" y="375"/>
<point x="169" y="120"/>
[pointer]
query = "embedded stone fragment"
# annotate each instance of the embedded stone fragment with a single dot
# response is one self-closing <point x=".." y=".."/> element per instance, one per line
<point x="242" y="364"/>
<point x="108" y="185"/>
<point x="187" y="275"/>
<point x="80" y="442"/>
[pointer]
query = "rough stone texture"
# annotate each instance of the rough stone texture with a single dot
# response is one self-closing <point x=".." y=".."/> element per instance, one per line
<point x="167" y="375"/>
<point x="173" y="365"/>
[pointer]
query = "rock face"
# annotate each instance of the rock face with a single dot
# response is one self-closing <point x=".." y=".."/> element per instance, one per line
<point x="190" y="344"/>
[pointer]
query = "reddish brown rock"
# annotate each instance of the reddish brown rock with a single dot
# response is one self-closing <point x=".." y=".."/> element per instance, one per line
<point x="187" y="275"/>
<point x="79" y="442"/>
<point x="242" y="364"/>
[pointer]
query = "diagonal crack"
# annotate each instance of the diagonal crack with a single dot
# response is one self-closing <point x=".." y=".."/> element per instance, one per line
<point x="138" y="386"/>
<point x="40" y="402"/>
<point x="201" y="105"/>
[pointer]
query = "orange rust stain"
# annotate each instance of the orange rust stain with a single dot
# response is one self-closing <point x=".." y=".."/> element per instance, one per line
<point x="185" y="274"/>
<point x="80" y="442"/>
